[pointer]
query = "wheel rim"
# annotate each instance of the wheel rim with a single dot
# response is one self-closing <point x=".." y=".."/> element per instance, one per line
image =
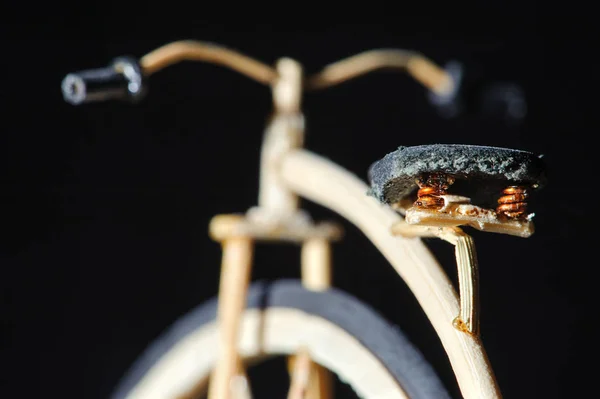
<point x="183" y="371"/>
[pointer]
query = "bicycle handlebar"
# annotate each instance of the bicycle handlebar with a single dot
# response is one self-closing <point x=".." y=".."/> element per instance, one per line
<point x="124" y="78"/>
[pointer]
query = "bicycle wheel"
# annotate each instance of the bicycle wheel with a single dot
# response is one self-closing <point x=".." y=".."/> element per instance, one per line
<point x="340" y="333"/>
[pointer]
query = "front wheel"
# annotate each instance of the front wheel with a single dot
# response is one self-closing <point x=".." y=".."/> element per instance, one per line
<point x="282" y="318"/>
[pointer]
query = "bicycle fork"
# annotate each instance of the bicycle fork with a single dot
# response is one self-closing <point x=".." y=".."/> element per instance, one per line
<point x="228" y="381"/>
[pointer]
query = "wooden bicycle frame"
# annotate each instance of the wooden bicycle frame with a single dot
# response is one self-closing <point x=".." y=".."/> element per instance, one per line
<point x="289" y="172"/>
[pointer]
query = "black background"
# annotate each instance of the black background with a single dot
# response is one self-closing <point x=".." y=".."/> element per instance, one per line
<point x="105" y="207"/>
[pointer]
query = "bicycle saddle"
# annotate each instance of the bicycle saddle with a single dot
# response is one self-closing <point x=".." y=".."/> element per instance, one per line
<point x="490" y="177"/>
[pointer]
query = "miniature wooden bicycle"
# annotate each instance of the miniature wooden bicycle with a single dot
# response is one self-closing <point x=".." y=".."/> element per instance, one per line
<point x="321" y="329"/>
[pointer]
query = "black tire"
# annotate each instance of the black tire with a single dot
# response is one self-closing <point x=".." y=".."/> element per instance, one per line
<point x="385" y="341"/>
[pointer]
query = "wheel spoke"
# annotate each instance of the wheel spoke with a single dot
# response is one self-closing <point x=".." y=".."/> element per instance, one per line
<point x="308" y="380"/>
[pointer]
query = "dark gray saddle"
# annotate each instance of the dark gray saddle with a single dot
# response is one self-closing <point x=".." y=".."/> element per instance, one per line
<point x="487" y="169"/>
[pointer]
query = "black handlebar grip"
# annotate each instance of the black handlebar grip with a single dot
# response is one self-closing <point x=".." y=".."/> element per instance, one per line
<point x="122" y="79"/>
